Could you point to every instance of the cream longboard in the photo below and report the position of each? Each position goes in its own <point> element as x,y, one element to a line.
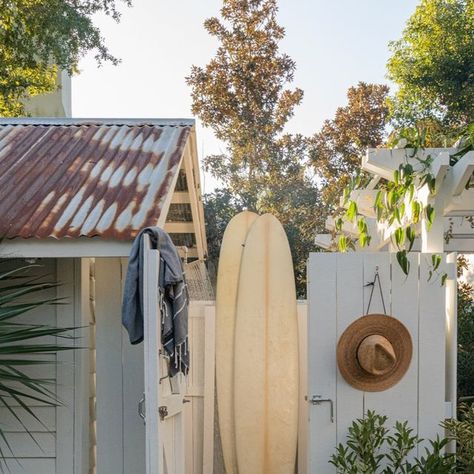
<point>266,354</point>
<point>226,299</point>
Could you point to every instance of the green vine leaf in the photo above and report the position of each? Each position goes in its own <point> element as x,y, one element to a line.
<point>403,261</point>
<point>399,236</point>
<point>444,277</point>
<point>410,234</point>
<point>415,211</point>
<point>351,212</point>
<point>430,216</point>
<point>342,243</point>
<point>436,261</point>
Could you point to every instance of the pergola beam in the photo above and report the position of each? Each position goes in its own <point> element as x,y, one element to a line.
<point>383,162</point>
<point>451,200</point>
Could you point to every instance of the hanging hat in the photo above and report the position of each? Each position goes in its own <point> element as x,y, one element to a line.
<point>374,352</point>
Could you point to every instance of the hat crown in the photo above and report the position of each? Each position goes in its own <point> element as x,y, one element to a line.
<point>376,355</point>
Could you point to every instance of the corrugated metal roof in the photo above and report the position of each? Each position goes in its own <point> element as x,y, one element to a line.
<point>89,177</point>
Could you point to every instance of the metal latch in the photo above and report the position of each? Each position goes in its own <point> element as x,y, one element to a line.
<point>141,409</point>
<point>163,411</point>
<point>317,400</point>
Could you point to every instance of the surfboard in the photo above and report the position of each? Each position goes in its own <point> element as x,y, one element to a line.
<point>266,354</point>
<point>226,299</point>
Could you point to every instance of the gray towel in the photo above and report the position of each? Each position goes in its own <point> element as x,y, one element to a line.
<point>173,296</point>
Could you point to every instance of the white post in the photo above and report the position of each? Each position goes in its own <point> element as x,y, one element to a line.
<point>451,332</point>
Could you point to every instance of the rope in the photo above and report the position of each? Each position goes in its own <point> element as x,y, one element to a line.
<point>372,284</point>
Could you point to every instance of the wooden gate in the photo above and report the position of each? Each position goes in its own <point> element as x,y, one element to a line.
<point>164,397</point>
<point>337,297</point>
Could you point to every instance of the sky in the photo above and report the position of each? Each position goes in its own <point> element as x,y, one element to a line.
<point>335,43</point>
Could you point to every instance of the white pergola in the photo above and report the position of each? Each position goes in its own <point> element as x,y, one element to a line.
<point>453,226</point>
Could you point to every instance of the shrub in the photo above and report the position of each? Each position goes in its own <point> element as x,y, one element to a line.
<point>462,431</point>
<point>371,448</point>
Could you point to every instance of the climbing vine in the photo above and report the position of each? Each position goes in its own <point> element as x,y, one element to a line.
<point>397,203</point>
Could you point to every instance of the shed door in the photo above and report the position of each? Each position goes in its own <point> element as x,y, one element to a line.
<point>164,399</point>
<point>338,295</point>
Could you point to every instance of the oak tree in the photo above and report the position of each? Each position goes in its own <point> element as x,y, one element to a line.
<point>40,37</point>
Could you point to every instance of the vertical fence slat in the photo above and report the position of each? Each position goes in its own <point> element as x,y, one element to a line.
<point>322,357</point>
<point>303,423</point>
<point>350,306</point>
<point>399,403</point>
<point>431,352</point>
<point>209,380</point>
<point>401,299</point>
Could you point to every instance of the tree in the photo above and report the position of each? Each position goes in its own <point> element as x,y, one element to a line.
<point>241,94</point>
<point>292,195</point>
<point>288,192</point>
<point>465,332</point>
<point>433,64</point>
<point>219,208</point>
<point>40,37</point>
<point>337,148</point>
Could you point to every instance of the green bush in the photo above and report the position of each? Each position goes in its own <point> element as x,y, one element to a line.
<point>462,431</point>
<point>371,448</point>
<point>465,340</point>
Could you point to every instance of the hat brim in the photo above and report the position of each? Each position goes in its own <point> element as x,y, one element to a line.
<point>374,324</point>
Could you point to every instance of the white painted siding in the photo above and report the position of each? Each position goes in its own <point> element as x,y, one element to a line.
<point>31,457</point>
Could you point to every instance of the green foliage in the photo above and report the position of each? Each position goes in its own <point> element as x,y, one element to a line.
<point>40,37</point>
<point>462,430</point>
<point>288,193</point>
<point>465,335</point>
<point>433,64</point>
<point>396,204</point>
<point>371,448</point>
<point>291,195</point>
<point>219,208</point>
<point>20,292</point>
<point>336,149</point>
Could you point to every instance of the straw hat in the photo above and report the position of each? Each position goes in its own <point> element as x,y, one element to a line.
<point>374,352</point>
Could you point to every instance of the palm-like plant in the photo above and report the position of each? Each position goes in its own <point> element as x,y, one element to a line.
<point>20,348</point>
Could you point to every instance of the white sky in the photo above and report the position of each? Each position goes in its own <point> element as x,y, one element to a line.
<point>334,43</point>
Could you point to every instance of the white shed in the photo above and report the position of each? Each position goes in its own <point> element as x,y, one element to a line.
<point>73,195</point>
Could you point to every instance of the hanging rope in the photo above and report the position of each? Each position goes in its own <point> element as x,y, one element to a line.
<point>372,284</point>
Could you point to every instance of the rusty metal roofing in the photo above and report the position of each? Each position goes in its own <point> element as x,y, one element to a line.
<point>89,177</point>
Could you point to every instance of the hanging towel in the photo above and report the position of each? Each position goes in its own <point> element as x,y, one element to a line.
<point>173,294</point>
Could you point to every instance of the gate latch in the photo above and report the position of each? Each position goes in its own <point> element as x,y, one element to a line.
<point>141,409</point>
<point>317,400</point>
<point>163,411</point>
